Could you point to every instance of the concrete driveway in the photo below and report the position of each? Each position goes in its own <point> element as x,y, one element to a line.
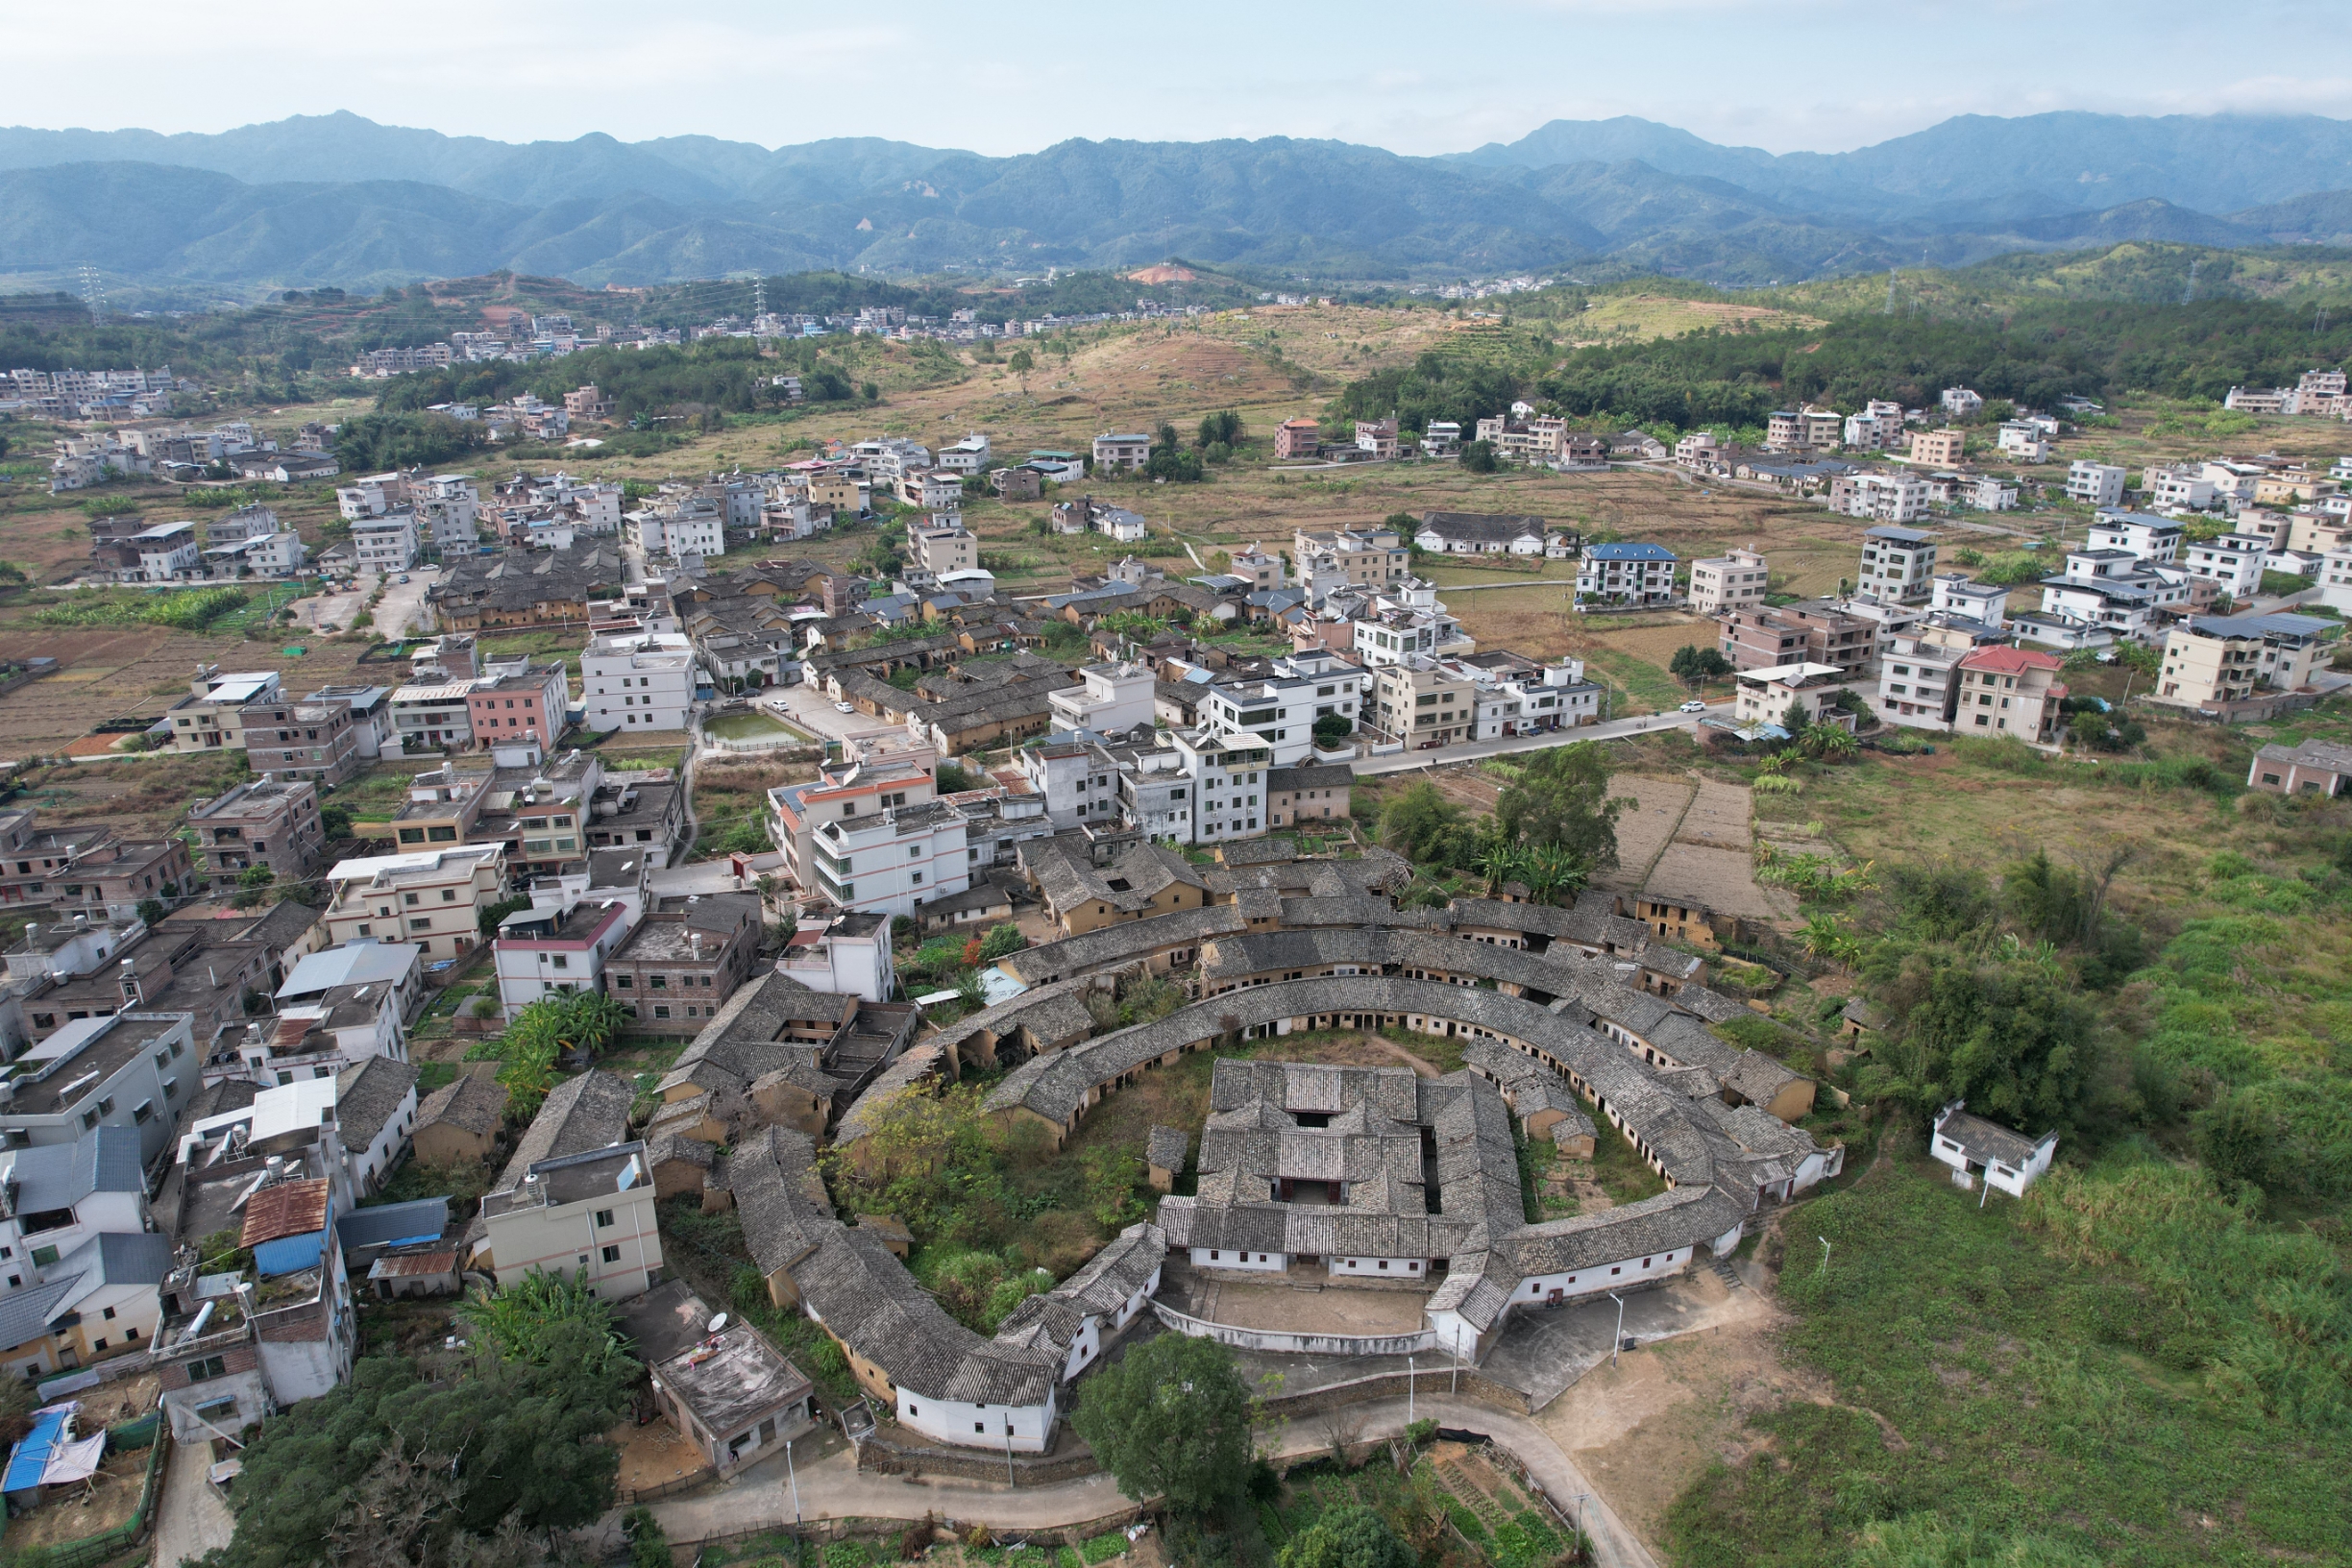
<point>1545,1349</point>
<point>403,610</point>
<point>807,708</point>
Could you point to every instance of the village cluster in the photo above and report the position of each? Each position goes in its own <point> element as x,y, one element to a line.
<point>178,1090</point>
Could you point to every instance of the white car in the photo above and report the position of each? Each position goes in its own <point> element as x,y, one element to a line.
<point>844,707</point>
<point>1694,706</point>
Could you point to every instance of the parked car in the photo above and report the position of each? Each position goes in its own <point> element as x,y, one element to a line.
<point>844,707</point>
<point>1694,706</point>
<point>403,577</point>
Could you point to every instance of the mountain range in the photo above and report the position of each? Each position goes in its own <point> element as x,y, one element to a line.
<point>339,199</point>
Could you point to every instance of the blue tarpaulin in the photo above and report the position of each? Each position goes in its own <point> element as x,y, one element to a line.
<point>28,1458</point>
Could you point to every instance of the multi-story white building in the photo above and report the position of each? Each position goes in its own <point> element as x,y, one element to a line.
<point>1734,580</point>
<point>1279,713</point>
<point>638,680</point>
<point>894,862</point>
<point>969,455</point>
<point>1387,637</point>
<point>1886,496</point>
<point>2234,560</point>
<point>1113,699</point>
<point>1898,564</point>
<point>1958,594</point>
<point>2113,590</point>
<point>558,944</point>
<point>1116,452</point>
<point>2178,488</point>
<point>1959,401</point>
<point>2155,540</point>
<point>588,1214</point>
<point>1156,791</point>
<point>2023,442</point>
<point>1078,780</point>
<point>2094,484</point>
<point>1228,788</point>
<point>1625,575</point>
<point>2335,579</point>
<point>385,544</point>
<point>370,497</point>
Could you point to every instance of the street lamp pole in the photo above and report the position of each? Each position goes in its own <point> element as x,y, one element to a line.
<point>1409,1390</point>
<point>793,1476</point>
<point>1617,1339</point>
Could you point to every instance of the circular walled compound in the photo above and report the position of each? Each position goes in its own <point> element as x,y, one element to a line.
<point>1566,1019</point>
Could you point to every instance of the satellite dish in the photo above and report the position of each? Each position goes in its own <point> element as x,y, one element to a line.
<point>718,1323</point>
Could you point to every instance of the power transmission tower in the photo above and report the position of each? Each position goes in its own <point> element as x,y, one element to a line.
<point>1892,275</point>
<point>93,292</point>
<point>2190,290</point>
<point>759,298</point>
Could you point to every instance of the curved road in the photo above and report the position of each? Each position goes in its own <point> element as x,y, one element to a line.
<point>833,1488</point>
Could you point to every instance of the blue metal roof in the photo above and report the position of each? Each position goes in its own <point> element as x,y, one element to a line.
<point>1627,552</point>
<point>391,1224</point>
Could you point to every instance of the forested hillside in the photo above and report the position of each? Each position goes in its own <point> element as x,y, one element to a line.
<point>2033,355</point>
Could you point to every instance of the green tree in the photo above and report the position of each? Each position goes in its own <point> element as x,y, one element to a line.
<point>451,1465</point>
<point>1695,666</point>
<point>2016,1041</point>
<point>1170,1419</point>
<point>1426,828</point>
<point>533,1320</point>
<point>335,821</point>
<point>253,886</point>
<point>1479,458</point>
<point>151,911</point>
<point>498,912</point>
<point>1021,363</point>
<point>1561,798</point>
<point>1222,428</point>
<point>1001,940</point>
<point>1349,1536</point>
<point>1796,720</point>
<point>1334,726</point>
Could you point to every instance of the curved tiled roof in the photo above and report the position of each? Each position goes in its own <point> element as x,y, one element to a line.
<point>1716,1158</point>
<point>852,1283</point>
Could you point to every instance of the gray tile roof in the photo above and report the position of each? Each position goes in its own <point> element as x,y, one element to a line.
<point>852,1283</point>
<point>1166,1148</point>
<point>476,1102</point>
<point>48,1176</point>
<point>580,1114</point>
<point>25,1314</point>
<point>369,1095</point>
<point>1987,1142</point>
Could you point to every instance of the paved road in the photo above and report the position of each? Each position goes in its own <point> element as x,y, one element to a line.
<point>1408,761</point>
<point>831,1486</point>
<point>190,1518</point>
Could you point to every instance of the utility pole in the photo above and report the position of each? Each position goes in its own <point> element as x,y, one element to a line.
<point>1617,1339</point>
<point>793,1476</point>
<point>1409,1390</point>
<point>1824,1262</point>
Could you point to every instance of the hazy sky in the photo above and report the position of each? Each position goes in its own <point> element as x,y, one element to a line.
<point>1824,75</point>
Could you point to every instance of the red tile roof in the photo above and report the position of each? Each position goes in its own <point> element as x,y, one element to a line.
<point>2007,660</point>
